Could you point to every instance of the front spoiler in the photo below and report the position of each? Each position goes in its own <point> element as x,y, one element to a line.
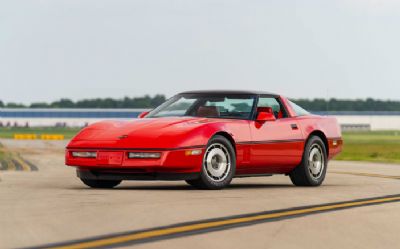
<point>144,176</point>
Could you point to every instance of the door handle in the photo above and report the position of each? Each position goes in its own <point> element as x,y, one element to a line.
<point>294,126</point>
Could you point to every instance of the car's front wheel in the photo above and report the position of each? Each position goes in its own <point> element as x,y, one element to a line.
<point>219,165</point>
<point>93,183</point>
<point>312,170</point>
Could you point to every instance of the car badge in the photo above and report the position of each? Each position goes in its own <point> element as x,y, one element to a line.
<point>123,136</point>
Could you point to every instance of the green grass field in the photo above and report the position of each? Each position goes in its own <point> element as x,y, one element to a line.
<point>374,146</point>
<point>8,132</point>
<point>2,154</point>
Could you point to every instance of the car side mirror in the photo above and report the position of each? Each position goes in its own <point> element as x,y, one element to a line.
<point>143,114</point>
<point>265,116</point>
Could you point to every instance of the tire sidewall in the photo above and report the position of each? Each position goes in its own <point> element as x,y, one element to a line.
<point>203,175</point>
<point>315,140</point>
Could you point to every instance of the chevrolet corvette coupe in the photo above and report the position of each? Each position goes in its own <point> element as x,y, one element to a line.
<point>207,138</point>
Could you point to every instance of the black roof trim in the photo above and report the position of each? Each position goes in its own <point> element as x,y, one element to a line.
<point>230,92</point>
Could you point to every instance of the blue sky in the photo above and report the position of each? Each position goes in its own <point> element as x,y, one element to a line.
<point>85,49</point>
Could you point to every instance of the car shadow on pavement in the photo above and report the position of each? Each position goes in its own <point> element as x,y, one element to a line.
<point>181,187</point>
<point>259,185</point>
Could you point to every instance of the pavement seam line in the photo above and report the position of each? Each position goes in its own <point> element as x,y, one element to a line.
<point>365,174</point>
<point>13,161</point>
<point>25,166</point>
<point>11,165</point>
<point>222,223</point>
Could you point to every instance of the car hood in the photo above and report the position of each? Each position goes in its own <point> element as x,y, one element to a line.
<point>166,132</point>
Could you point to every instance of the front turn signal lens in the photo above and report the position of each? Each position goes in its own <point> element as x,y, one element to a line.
<point>193,152</point>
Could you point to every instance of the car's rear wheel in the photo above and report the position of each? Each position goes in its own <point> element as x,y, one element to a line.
<point>312,170</point>
<point>219,165</point>
<point>93,183</point>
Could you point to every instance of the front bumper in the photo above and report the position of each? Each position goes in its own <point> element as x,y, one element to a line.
<point>172,161</point>
<point>118,174</point>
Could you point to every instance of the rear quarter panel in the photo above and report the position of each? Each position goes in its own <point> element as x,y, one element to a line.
<point>326,125</point>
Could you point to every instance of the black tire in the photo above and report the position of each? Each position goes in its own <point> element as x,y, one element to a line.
<point>206,179</point>
<point>303,174</point>
<point>100,183</point>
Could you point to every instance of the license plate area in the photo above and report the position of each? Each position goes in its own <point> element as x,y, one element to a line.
<point>110,158</point>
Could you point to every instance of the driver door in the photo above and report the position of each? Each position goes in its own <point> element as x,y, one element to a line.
<point>277,146</point>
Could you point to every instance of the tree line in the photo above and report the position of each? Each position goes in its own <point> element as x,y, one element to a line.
<point>368,104</point>
<point>126,102</point>
<point>153,101</point>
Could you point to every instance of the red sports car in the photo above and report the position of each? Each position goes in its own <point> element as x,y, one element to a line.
<point>206,138</point>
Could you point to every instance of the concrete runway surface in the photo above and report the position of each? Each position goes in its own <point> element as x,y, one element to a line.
<point>51,206</point>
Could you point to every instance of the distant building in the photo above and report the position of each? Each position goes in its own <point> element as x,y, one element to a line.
<point>63,117</point>
<point>366,120</point>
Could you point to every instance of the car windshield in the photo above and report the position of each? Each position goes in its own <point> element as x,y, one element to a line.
<point>235,106</point>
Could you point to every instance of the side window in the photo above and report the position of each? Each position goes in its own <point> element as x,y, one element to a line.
<point>275,104</point>
<point>298,110</point>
